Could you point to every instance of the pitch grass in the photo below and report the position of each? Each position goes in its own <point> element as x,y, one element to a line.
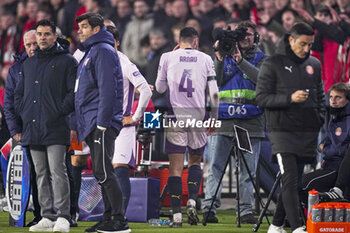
<point>226,223</point>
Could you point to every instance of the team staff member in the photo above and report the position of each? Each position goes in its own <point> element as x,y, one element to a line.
<point>290,89</point>
<point>44,97</point>
<point>335,144</point>
<point>13,121</point>
<point>99,113</point>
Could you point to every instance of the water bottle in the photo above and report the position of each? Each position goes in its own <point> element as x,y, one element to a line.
<point>312,200</point>
<point>316,214</point>
<point>347,216</point>
<point>155,222</point>
<point>158,222</point>
<point>166,222</point>
<point>328,213</point>
<point>339,213</point>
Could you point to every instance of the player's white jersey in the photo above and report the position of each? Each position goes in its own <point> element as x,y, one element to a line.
<point>185,72</point>
<point>131,78</point>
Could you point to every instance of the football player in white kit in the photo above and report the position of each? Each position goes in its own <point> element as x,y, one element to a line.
<point>186,74</point>
<point>124,151</point>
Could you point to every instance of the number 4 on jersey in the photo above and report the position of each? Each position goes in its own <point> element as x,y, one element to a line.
<point>186,77</point>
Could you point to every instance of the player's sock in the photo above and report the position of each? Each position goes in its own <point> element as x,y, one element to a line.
<point>175,193</point>
<point>194,181</point>
<point>123,178</point>
<point>76,176</point>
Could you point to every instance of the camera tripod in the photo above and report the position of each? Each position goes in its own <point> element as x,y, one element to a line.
<point>269,198</point>
<point>234,152</point>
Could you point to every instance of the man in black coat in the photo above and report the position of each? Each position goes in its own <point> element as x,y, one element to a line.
<point>290,89</point>
<point>43,98</point>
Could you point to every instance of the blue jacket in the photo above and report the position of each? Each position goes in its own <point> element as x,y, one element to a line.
<point>14,122</point>
<point>337,139</point>
<point>238,87</point>
<point>99,86</point>
<point>44,95</point>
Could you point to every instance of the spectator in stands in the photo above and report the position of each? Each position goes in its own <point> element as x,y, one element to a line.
<point>139,26</point>
<point>289,18</point>
<point>209,12</point>
<point>9,41</point>
<point>43,13</point>
<point>56,11</point>
<point>69,10</point>
<point>121,16</point>
<point>344,6</point>
<point>159,45</point>
<point>327,41</point>
<point>271,18</point>
<point>245,10</point>
<point>164,18</point>
<point>31,9</point>
<point>195,8</point>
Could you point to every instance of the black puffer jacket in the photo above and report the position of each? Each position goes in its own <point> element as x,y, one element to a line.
<point>45,96</point>
<point>293,127</point>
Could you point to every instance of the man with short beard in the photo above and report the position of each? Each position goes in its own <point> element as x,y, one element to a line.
<point>44,97</point>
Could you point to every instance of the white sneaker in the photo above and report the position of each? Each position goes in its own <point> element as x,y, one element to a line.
<point>62,225</point>
<point>44,224</point>
<point>300,230</point>
<point>275,229</point>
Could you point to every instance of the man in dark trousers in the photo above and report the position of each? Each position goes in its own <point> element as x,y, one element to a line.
<point>290,89</point>
<point>43,98</point>
<point>13,121</point>
<point>99,113</point>
<point>335,144</point>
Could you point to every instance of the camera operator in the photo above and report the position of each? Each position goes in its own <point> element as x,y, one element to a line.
<point>237,70</point>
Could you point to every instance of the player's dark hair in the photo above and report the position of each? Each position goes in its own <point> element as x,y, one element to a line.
<point>114,32</point>
<point>188,34</point>
<point>93,19</point>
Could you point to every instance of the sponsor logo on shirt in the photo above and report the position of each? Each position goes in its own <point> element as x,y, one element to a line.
<point>136,73</point>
